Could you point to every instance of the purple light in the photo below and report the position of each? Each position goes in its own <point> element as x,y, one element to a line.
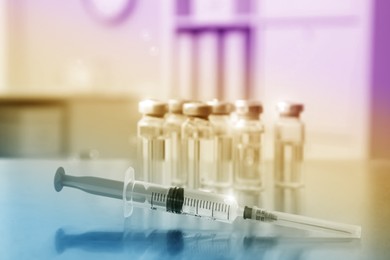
<point>113,20</point>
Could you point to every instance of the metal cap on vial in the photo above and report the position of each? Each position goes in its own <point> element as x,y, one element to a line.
<point>248,108</point>
<point>176,105</point>
<point>291,109</point>
<point>152,107</point>
<point>197,109</point>
<point>220,107</point>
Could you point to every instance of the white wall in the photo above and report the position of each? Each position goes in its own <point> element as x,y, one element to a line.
<point>52,39</point>
<point>312,51</point>
<point>317,52</point>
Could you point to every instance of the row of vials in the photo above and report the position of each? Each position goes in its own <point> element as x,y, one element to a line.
<point>218,146</point>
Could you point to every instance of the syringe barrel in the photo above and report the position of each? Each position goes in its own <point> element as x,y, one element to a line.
<point>210,205</point>
<point>177,200</point>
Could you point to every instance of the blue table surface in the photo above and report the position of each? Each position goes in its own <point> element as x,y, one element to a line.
<point>36,222</point>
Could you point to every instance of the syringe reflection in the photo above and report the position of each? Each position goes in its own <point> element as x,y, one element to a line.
<point>178,244</point>
<point>156,243</point>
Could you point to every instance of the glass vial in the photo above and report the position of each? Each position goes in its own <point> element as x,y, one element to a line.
<point>289,140</point>
<point>247,150</point>
<point>174,120</point>
<point>151,144</point>
<point>197,137</point>
<point>222,179</point>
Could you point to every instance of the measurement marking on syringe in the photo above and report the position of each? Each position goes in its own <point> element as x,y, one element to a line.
<point>157,197</point>
<point>213,208</point>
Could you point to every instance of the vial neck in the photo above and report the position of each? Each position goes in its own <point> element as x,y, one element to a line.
<point>153,116</point>
<point>198,117</point>
<point>291,116</point>
<point>248,117</point>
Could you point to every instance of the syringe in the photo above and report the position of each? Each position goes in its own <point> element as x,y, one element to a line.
<point>193,202</point>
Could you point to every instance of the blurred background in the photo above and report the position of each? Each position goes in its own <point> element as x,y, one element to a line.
<point>72,72</point>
